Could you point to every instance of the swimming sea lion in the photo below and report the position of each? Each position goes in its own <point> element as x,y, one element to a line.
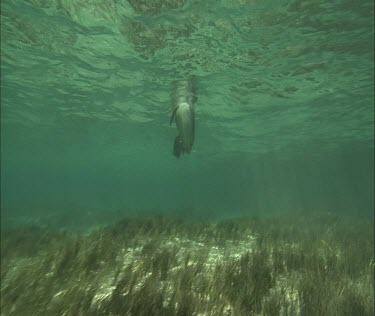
<point>183,113</point>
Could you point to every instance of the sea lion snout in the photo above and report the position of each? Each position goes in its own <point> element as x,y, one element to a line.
<point>178,146</point>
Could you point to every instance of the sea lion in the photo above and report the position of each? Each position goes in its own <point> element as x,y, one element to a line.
<point>183,112</point>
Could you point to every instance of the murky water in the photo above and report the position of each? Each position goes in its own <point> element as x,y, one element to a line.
<point>284,117</point>
<point>259,196</point>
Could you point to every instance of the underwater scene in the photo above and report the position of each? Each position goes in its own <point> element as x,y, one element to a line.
<point>187,157</point>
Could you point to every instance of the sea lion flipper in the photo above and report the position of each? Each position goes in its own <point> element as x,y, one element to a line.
<point>173,115</point>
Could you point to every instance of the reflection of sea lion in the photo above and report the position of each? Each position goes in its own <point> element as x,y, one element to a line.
<point>183,112</point>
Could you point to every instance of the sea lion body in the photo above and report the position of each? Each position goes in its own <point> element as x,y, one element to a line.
<point>183,113</point>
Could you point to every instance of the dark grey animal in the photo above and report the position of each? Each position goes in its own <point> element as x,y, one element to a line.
<point>183,112</point>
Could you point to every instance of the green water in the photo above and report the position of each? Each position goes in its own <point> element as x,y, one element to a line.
<point>284,117</point>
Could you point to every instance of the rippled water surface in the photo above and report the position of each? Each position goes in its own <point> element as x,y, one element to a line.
<point>284,117</point>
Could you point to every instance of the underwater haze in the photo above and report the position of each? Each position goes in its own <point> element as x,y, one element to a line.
<point>284,115</point>
<point>258,199</point>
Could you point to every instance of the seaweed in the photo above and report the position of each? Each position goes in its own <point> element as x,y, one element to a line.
<point>159,265</point>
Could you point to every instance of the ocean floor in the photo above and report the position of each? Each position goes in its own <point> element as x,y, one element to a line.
<point>158,265</point>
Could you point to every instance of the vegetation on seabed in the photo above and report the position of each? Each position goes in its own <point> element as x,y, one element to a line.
<point>293,265</point>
